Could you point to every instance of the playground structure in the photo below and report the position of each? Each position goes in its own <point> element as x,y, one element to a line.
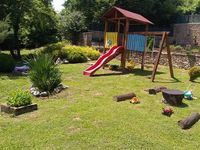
<point>121,20</point>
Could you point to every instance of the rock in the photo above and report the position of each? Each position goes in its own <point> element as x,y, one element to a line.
<point>65,61</point>
<point>65,87</point>
<point>33,89</point>
<point>36,93</point>
<point>44,94</point>
<point>58,89</point>
<point>59,61</point>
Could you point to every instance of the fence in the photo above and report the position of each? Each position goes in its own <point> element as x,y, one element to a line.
<point>189,19</point>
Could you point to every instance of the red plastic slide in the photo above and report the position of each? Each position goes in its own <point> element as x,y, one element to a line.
<point>104,59</point>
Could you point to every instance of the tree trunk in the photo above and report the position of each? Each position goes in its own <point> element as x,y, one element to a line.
<point>124,97</point>
<point>16,51</point>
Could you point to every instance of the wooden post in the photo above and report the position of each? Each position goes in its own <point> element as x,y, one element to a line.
<point>158,56</point>
<point>118,30</point>
<point>144,53</point>
<point>123,57</point>
<point>105,30</point>
<point>169,57</point>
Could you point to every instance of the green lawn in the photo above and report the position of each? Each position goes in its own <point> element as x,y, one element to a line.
<point>86,117</point>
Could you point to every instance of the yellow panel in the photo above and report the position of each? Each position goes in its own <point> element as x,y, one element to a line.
<point>111,39</point>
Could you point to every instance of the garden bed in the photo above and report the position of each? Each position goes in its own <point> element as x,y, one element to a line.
<point>18,110</point>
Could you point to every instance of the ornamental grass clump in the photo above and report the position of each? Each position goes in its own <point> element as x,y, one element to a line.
<point>194,73</point>
<point>44,74</point>
<point>19,98</point>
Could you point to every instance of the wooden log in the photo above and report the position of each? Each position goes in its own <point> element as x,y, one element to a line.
<point>189,121</point>
<point>124,97</point>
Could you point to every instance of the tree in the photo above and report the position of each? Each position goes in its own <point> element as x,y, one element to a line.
<point>189,6</point>
<point>72,24</point>
<point>5,30</point>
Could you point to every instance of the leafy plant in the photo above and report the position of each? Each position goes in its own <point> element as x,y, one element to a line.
<point>194,73</point>
<point>44,74</point>
<point>74,56</point>
<point>7,63</point>
<point>19,98</point>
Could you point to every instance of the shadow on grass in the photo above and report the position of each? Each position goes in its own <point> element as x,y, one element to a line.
<point>172,80</point>
<point>136,72</point>
<point>183,105</point>
<point>5,76</point>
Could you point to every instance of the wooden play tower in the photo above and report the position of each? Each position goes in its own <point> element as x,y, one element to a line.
<point>120,21</point>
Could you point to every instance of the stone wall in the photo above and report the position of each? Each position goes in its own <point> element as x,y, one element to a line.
<point>179,60</point>
<point>187,33</point>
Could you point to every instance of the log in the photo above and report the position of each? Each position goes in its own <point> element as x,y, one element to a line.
<point>156,90</point>
<point>124,97</point>
<point>189,121</point>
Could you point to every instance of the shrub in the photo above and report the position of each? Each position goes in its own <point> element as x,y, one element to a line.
<point>44,74</point>
<point>85,51</point>
<point>19,98</point>
<point>194,73</point>
<point>7,63</point>
<point>90,52</point>
<point>74,54</point>
<point>51,48</point>
<point>176,48</point>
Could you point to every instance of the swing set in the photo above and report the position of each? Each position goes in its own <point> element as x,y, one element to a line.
<point>128,42</point>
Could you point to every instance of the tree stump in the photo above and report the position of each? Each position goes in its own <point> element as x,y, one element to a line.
<point>173,97</point>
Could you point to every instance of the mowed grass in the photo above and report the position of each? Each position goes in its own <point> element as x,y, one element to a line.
<point>86,117</point>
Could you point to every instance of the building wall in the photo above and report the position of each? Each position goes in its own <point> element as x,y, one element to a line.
<point>187,34</point>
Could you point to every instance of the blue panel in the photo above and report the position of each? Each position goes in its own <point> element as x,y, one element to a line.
<point>136,42</point>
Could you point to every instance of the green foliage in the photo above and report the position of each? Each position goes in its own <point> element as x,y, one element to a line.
<point>44,74</point>
<point>90,52</point>
<point>53,47</point>
<point>7,63</point>
<point>194,73</point>
<point>4,30</point>
<point>189,6</point>
<point>19,98</point>
<point>74,55</point>
<point>176,48</point>
<point>34,22</point>
<point>72,24</point>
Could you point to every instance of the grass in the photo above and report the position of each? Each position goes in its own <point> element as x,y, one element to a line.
<point>86,117</point>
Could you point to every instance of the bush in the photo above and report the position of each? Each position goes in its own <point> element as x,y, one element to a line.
<point>19,98</point>
<point>73,54</point>
<point>90,52</point>
<point>7,63</point>
<point>86,52</point>
<point>44,74</point>
<point>194,73</point>
<point>53,49</point>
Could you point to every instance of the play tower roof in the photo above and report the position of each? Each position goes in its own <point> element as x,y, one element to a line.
<point>119,13</point>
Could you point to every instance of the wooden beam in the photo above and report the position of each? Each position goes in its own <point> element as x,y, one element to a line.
<point>169,57</point>
<point>158,56</point>
<point>118,30</point>
<point>150,33</point>
<point>105,30</point>
<point>144,53</point>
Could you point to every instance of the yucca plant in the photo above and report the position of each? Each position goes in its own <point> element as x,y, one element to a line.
<point>44,74</point>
